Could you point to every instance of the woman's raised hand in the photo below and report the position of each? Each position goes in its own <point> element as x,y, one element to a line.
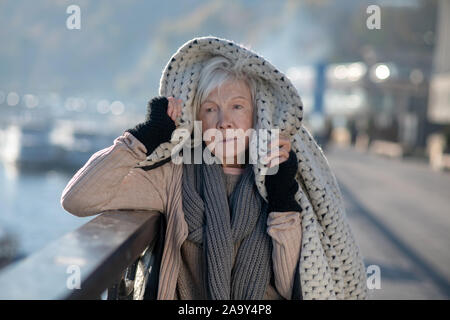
<point>282,148</point>
<point>159,122</point>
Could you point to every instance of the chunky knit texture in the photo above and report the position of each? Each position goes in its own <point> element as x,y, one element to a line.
<point>331,266</point>
<point>207,213</point>
<point>190,284</point>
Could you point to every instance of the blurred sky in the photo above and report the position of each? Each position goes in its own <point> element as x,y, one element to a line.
<point>123,45</point>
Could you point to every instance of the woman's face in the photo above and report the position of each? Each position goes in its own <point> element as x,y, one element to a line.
<point>226,109</point>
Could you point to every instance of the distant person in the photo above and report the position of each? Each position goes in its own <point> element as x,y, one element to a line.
<point>233,232</point>
<point>353,131</point>
<point>328,131</point>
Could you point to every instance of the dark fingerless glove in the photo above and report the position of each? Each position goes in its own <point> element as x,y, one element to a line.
<point>282,186</point>
<point>157,127</point>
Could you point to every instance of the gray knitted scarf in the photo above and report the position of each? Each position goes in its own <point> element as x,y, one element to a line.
<point>218,226</point>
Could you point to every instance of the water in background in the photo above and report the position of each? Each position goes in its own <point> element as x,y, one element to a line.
<point>30,207</point>
<point>40,151</point>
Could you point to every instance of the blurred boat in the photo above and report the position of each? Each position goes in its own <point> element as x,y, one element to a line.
<point>28,145</point>
<point>79,140</point>
<point>49,143</point>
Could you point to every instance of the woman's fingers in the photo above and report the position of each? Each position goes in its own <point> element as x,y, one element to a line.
<point>280,151</point>
<point>174,108</point>
<point>281,142</point>
<point>282,146</point>
<point>170,107</point>
<point>283,155</point>
<point>274,162</point>
<point>277,161</point>
<point>180,107</point>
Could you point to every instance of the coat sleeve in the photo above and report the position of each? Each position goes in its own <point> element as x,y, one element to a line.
<point>109,181</point>
<point>285,230</point>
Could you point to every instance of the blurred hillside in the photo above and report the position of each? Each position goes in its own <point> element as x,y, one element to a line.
<point>123,46</point>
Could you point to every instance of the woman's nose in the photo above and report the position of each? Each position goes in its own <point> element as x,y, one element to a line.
<point>225,121</point>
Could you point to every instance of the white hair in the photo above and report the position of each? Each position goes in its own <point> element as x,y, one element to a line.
<point>214,73</point>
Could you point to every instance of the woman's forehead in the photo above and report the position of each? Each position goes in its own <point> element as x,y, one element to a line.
<point>231,89</point>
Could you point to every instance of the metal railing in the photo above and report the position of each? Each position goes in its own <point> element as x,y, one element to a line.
<point>115,251</point>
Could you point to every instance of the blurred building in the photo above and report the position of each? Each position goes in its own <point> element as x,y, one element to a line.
<point>439,101</point>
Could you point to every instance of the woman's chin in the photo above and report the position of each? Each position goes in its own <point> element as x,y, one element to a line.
<point>233,158</point>
<point>226,152</point>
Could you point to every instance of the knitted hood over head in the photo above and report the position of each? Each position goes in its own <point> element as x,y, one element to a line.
<point>331,266</point>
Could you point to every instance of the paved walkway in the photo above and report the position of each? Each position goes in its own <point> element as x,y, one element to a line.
<point>399,213</point>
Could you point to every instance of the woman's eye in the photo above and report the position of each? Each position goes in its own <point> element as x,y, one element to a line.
<point>238,106</point>
<point>209,109</point>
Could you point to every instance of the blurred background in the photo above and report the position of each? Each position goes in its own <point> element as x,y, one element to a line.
<point>376,100</point>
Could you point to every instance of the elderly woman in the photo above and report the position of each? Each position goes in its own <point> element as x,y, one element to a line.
<point>233,232</point>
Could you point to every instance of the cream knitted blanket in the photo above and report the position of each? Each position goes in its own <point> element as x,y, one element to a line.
<point>331,266</point>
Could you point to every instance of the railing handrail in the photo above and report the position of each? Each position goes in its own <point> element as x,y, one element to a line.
<point>97,253</point>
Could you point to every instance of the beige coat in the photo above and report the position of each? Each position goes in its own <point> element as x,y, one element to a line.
<point>110,181</point>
